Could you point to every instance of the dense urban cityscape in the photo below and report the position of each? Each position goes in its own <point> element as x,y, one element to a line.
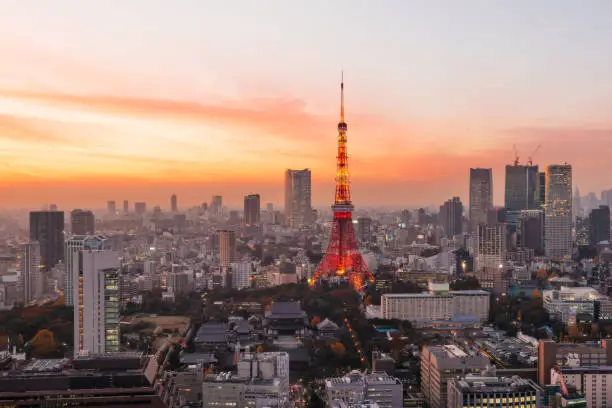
<point>497,296</point>
<point>209,306</point>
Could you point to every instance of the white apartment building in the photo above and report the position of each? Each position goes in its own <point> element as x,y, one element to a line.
<point>489,248</point>
<point>73,245</point>
<point>241,275</point>
<point>97,301</point>
<point>437,304</point>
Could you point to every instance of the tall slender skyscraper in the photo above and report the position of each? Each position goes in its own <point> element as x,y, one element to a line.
<point>481,194</point>
<point>31,280</point>
<point>451,217</point>
<point>558,217</point>
<point>216,206</point>
<point>252,210</point>
<point>74,245</point>
<point>173,203</point>
<point>111,207</point>
<point>97,302</point>
<point>82,222</point>
<point>298,207</point>
<point>126,206</point>
<point>47,227</point>
<point>227,247</point>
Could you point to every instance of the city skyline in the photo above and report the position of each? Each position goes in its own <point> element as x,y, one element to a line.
<point>145,114</point>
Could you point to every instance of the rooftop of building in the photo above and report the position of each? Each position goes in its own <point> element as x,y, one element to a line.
<point>484,384</point>
<point>438,294</point>
<point>357,378</point>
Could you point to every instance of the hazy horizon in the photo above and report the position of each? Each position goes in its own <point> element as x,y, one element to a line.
<point>140,100</point>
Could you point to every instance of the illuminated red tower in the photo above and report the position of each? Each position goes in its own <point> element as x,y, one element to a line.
<point>342,257</point>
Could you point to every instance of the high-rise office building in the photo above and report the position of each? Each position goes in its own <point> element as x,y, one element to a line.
<point>111,207</point>
<point>74,245</point>
<point>298,208</point>
<point>216,206</point>
<point>252,210</point>
<point>405,217</point>
<point>521,187</point>
<point>577,206</point>
<point>173,203</point>
<point>606,198</point>
<point>521,193</point>
<point>126,206</point>
<point>47,227</point>
<point>558,216</point>
<point>531,231</point>
<point>599,225</point>
<point>364,229</point>
<point>140,208</point>
<point>541,189</point>
<point>82,222</point>
<point>227,247</point>
<point>481,194</point>
<point>451,217</point>
<point>490,255</point>
<point>97,302</point>
<point>31,280</point>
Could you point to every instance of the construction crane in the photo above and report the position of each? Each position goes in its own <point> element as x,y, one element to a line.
<point>516,156</point>
<point>537,149</point>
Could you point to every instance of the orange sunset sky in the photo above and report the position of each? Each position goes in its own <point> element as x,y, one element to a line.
<point>138,100</point>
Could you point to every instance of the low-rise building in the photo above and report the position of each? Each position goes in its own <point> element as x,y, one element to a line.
<point>438,304</point>
<point>358,388</point>
<point>492,391</point>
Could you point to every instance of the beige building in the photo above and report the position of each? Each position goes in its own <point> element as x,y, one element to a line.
<point>595,383</point>
<point>440,364</point>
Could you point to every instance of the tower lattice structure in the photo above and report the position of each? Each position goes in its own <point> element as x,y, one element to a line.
<point>342,257</point>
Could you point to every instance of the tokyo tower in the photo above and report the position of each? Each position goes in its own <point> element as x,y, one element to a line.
<point>342,257</point>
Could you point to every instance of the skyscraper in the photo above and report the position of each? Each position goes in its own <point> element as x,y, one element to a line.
<point>521,187</point>
<point>126,206</point>
<point>82,222</point>
<point>364,229</point>
<point>173,203</point>
<point>74,245</point>
<point>140,208</point>
<point>481,194</point>
<point>227,247</point>
<point>558,217</point>
<point>216,206</point>
<point>298,208</point>
<point>451,217</point>
<point>531,231</point>
<point>252,210</point>
<point>31,280</point>
<point>47,227</point>
<point>97,301</point>
<point>606,198</point>
<point>541,189</point>
<point>490,255</point>
<point>599,225</point>
<point>111,207</point>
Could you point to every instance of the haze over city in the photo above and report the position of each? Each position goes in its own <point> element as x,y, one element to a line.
<point>138,100</point>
